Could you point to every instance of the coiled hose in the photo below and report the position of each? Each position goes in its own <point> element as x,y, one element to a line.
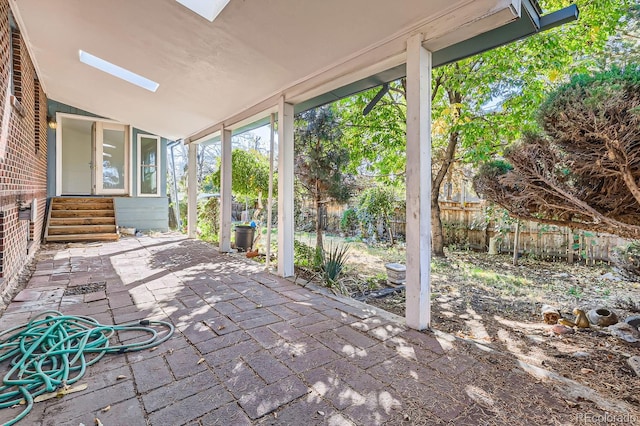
<point>54,350</point>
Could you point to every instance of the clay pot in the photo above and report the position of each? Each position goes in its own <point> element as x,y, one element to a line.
<point>633,321</point>
<point>602,317</point>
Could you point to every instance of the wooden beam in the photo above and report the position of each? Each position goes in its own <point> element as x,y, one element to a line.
<point>285,189</point>
<point>192,191</point>
<point>225,192</point>
<point>418,305</point>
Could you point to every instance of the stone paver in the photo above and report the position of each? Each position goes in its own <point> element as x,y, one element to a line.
<point>252,348</point>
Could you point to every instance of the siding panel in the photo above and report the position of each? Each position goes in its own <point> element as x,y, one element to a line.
<point>145,214</point>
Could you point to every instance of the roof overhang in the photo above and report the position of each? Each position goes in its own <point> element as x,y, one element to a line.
<point>231,72</point>
<point>529,24</point>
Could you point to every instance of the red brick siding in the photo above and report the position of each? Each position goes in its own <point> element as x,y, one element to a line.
<point>23,148</point>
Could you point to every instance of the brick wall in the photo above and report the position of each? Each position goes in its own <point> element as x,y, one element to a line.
<point>23,150</point>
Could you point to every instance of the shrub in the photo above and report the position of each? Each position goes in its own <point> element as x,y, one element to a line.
<point>209,220</point>
<point>305,256</point>
<point>349,221</point>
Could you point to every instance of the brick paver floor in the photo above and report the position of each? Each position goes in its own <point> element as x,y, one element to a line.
<point>253,348</point>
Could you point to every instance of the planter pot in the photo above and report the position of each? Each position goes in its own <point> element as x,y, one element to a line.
<point>602,317</point>
<point>244,237</point>
<point>396,274</point>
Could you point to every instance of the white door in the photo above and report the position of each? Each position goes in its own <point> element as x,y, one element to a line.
<point>111,159</point>
<point>76,157</point>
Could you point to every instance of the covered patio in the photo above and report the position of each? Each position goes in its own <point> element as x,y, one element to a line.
<point>229,66</point>
<point>253,348</point>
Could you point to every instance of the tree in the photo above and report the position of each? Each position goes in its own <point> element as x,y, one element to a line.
<point>249,174</point>
<point>481,104</point>
<point>320,160</point>
<point>376,205</point>
<point>623,48</point>
<point>584,171</point>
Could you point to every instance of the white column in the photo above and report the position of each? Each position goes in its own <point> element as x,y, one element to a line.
<point>225,192</point>
<point>270,196</point>
<point>192,191</point>
<point>418,287</point>
<point>285,189</point>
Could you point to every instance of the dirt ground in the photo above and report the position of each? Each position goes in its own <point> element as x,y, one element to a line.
<point>487,299</point>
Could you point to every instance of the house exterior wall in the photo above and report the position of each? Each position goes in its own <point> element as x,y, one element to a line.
<point>23,152</point>
<point>144,213</point>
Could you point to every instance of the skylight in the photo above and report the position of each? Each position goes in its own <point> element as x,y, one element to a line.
<point>208,9</point>
<point>116,71</point>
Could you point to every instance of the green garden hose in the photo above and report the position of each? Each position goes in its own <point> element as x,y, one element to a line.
<point>54,350</point>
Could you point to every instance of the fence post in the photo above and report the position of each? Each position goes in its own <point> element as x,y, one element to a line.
<point>516,239</point>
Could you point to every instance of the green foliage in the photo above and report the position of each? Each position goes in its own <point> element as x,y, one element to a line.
<point>333,263</point>
<point>249,173</point>
<point>376,141</point>
<point>349,220</point>
<point>494,169</point>
<point>321,158</point>
<point>582,172</point>
<point>484,102</point>
<point>575,291</point>
<point>624,47</point>
<point>377,204</point>
<point>591,90</point>
<point>209,220</point>
<point>378,201</point>
<point>305,256</point>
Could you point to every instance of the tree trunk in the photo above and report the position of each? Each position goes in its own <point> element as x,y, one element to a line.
<point>319,245</point>
<point>387,223</point>
<point>437,237</point>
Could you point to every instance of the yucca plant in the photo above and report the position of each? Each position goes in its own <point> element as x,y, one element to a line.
<point>333,262</point>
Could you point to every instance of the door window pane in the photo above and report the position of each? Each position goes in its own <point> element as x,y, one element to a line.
<point>148,160</point>
<point>113,159</point>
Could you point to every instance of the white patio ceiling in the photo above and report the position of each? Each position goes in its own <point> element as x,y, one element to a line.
<point>235,68</point>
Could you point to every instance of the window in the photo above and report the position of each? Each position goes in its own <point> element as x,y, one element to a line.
<point>148,165</point>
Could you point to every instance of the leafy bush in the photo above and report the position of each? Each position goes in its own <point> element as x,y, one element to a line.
<point>377,204</point>
<point>305,256</point>
<point>209,220</point>
<point>349,221</point>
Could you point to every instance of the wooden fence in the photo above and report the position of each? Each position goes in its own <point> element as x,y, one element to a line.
<point>466,226</point>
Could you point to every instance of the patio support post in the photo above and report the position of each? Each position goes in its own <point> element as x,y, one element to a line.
<point>418,286</point>
<point>225,192</point>
<point>192,191</point>
<point>272,120</point>
<point>285,189</point>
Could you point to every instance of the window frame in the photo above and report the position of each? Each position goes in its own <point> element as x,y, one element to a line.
<point>140,166</point>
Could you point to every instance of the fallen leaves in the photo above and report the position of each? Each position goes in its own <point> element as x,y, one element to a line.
<point>59,393</point>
